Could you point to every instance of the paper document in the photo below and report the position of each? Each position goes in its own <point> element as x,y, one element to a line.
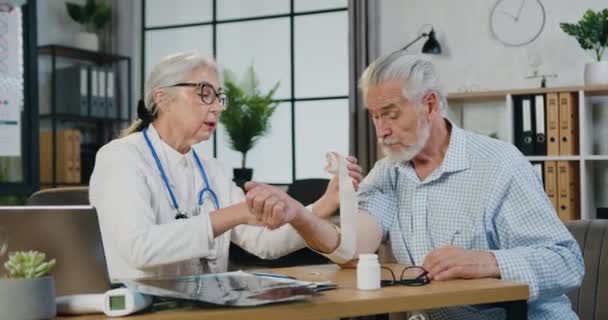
<point>349,207</point>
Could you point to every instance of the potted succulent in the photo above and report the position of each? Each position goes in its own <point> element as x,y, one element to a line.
<point>247,117</point>
<point>591,32</point>
<point>27,291</point>
<point>93,16</point>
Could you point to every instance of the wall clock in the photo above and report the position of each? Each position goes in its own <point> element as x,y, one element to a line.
<point>517,22</point>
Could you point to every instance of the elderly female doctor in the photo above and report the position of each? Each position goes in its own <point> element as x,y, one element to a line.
<point>166,210</point>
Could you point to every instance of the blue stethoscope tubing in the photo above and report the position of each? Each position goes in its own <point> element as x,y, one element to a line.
<point>207,188</point>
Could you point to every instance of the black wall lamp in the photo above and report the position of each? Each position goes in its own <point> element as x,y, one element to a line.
<point>431,46</point>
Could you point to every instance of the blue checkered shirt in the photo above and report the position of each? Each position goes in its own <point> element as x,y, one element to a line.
<point>484,196</point>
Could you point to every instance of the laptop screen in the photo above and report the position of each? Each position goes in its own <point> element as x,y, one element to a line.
<point>68,234</point>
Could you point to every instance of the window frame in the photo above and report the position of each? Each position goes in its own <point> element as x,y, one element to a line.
<point>292,14</point>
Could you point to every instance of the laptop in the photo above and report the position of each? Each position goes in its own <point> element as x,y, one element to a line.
<point>68,234</point>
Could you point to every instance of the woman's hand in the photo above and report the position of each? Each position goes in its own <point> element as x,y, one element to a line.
<point>330,200</point>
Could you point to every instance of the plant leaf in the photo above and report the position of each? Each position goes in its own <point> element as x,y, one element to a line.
<point>591,32</point>
<point>247,117</point>
<point>75,12</point>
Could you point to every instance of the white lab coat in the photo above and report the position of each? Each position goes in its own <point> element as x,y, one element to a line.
<point>137,219</point>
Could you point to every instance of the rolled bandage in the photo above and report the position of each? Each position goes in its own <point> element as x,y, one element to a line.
<point>349,207</point>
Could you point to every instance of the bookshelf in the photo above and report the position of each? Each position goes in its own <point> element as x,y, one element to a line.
<point>492,112</point>
<point>84,98</point>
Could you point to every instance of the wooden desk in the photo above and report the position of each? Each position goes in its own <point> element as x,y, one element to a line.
<point>347,301</point>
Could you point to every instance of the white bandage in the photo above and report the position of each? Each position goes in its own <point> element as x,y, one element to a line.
<point>349,207</point>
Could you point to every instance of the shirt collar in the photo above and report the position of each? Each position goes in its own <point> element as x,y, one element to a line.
<point>172,156</point>
<point>455,157</point>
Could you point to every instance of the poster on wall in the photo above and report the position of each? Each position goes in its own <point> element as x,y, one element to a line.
<point>11,80</point>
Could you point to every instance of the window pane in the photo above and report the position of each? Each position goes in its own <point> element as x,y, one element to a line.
<point>313,5</point>
<point>321,127</point>
<point>270,158</point>
<point>163,12</point>
<point>321,55</point>
<point>267,47</point>
<point>160,43</point>
<point>234,9</point>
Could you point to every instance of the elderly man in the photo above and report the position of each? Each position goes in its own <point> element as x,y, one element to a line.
<point>459,204</point>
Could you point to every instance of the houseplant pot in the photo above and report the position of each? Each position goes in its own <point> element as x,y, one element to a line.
<point>87,41</point>
<point>27,298</point>
<point>242,175</point>
<point>27,291</point>
<point>93,16</point>
<point>596,73</point>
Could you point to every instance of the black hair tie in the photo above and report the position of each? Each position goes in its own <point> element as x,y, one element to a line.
<point>144,114</point>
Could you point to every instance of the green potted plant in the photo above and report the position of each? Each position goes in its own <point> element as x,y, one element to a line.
<point>591,32</point>
<point>247,117</point>
<point>93,16</point>
<point>27,291</point>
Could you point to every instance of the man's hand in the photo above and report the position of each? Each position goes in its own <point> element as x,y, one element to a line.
<point>270,205</point>
<point>453,262</point>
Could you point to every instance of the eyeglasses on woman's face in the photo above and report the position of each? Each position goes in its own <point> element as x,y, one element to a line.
<point>207,93</point>
<point>416,276</point>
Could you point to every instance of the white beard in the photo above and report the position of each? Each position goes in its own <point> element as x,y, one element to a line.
<point>423,133</point>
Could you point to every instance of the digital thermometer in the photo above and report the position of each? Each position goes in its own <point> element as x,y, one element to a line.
<point>114,303</point>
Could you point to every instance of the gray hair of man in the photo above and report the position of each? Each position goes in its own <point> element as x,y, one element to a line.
<point>171,70</point>
<point>417,75</point>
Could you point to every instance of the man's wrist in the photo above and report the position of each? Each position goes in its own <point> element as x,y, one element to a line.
<point>300,218</point>
<point>493,265</point>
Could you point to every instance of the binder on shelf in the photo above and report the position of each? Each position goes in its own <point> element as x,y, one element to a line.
<point>46,160</point>
<point>552,124</point>
<point>72,96</point>
<point>551,183</point>
<point>111,102</point>
<point>75,156</point>
<point>94,92</point>
<point>540,140</point>
<point>84,91</point>
<point>523,123</point>
<point>567,190</point>
<point>103,94</point>
<point>568,110</point>
<point>64,159</point>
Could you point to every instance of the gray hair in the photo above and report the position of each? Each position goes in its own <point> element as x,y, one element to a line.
<point>171,70</point>
<point>418,76</point>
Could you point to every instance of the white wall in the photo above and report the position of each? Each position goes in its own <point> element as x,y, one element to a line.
<point>475,60</point>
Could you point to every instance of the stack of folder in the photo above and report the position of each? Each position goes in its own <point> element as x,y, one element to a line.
<point>561,179</point>
<point>67,157</point>
<point>548,125</point>
<point>87,91</point>
<point>546,128</point>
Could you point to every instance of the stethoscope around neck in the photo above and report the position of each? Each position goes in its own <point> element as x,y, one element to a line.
<point>180,214</point>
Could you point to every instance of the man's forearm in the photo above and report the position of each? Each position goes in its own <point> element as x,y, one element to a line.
<point>324,207</point>
<point>320,234</point>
